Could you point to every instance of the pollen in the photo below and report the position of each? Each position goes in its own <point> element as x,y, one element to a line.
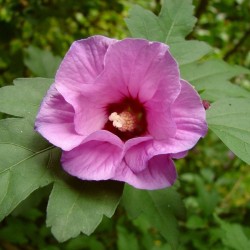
<point>125,121</point>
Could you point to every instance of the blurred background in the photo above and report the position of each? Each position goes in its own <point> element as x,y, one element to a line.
<point>214,184</point>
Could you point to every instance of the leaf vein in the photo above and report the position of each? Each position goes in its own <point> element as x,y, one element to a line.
<point>27,158</point>
<point>17,145</point>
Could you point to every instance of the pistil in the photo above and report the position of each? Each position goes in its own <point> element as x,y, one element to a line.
<point>125,121</point>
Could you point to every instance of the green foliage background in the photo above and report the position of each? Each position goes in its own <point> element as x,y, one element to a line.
<point>214,184</point>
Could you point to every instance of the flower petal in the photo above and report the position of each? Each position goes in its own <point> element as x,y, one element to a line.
<point>81,65</point>
<point>160,173</point>
<point>189,115</point>
<point>105,136</point>
<point>161,124</point>
<point>178,155</point>
<point>55,121</point>
<point>95,159</point>
<point>90,108</point>
<point>136,156</point>
<point>89,117</point>
<point>135,67</point>
<point>190,118</point>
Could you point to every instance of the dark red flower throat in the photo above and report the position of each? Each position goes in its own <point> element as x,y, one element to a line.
<point>127,119</point>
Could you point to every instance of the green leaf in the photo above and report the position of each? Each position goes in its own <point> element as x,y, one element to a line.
<point>17,232</point>
<point>212,76</point>
<point>84,242</point>
<point>210,72</point>
<point>160,207</point>
<point>195,222</point>
<point>28,162</point>
<point>174,22</point>
<point>176,19</point>
<point>189,51</point>
<point>207,199</point>
<point>24,97</point>
<point>41,62</point>
<point>144,24</point>
<point>224,89</point>
<point>76,206</point>
<point>234,236</point>
<point>28,166</point>
<point>25,162</point>
<point>229,119</point>
<point>126,240</point>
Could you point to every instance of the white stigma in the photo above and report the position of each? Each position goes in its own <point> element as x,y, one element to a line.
<point>116,119</point>
<point>124,121</point>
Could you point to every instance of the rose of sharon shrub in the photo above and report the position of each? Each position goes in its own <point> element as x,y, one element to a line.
<point>119,110</point>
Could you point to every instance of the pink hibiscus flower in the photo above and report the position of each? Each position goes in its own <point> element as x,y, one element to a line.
<point>119,110</point>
